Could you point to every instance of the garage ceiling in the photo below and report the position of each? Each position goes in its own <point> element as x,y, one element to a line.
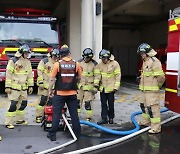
<point>122,13</point>
<point>135,14</point>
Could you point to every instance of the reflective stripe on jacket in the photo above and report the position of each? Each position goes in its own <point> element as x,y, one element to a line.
<point>44,71</point>
<point>87,78</point>
<point>19,75</point>
<point>67,76</point>
<point>108,76</point>
<point>152,76</point>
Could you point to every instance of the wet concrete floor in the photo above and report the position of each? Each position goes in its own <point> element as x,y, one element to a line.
<point>32,139</point>
<point>166,142</point>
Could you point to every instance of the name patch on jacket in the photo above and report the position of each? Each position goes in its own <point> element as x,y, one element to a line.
<point>68,66</point>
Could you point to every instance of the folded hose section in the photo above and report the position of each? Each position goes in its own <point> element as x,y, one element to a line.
<point>116,132</point>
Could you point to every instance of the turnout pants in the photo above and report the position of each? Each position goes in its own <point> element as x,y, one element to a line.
<point>42,100</point>
<point>16,106</point>
<point>151,110</point>
<point>85,97</point>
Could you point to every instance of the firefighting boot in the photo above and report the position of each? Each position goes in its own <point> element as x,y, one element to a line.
<point>88,119</point>
<point>151,131</point>
<point>10,126</point>
<point>51,137</point>
<point>143,124</point>
<point>102,121</point>
<point>21,122</point>
<point>111,121</point>
<point>38,119</point>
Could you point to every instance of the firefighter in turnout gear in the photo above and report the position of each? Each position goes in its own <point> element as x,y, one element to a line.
<point>107,79</point>
<point>86,87</point>
<point>44,71</point>
<point>65,75</point>
<point>19,83</point>
<point>151,79</point>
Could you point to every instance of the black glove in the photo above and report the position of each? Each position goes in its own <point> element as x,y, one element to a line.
<point>49,103</point>
<point>30,90</point>
<point>114,90</point>
<point>138,78</point>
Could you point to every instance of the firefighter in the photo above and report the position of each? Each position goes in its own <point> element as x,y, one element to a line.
<point>107,79</point>
<point>151,80</point>
<point>86,87</point>
<point>65,74</point>
<point>44,71</point>
<point>19,82</point>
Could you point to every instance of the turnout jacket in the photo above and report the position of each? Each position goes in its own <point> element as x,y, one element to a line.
<point>108,76</point>
<point>88,75</point>
<point>152,76</point>
<point>44,71</point>
<point>19,74</point>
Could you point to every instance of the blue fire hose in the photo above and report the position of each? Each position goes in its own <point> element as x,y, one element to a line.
<point>115,132</point>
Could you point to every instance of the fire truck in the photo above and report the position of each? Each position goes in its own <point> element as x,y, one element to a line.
<point>172,90</point>
<point>27,26</point>
<point>162,56</point>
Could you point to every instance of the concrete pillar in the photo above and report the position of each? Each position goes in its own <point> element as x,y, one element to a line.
<point>84,27</point>
<point>91,26</point>
<point>74,27</point>
<point>86,24</point>
<point>98,31</point>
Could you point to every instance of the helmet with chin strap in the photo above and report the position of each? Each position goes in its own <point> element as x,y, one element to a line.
<point>24,48</point>
<point>88,53</point>
<point>104,54</point>
<point>144,48</point>
<point>55,53</point>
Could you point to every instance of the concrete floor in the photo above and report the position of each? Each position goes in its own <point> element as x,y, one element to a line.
<point>32,138</point>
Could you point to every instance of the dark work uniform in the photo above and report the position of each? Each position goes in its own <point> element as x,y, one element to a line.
<point>66,73</point>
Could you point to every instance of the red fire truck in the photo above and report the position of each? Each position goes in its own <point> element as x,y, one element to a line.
<point>27,26</point>
<point>172,90</point>
<point>162,56</point>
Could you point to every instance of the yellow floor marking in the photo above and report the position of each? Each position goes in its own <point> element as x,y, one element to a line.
<point>136,97</point>
<point>33,104</point>
<point>2,105</point>
<point>122,99</point>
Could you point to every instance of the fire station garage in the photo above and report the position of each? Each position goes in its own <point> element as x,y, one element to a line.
<point>119,26</point>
